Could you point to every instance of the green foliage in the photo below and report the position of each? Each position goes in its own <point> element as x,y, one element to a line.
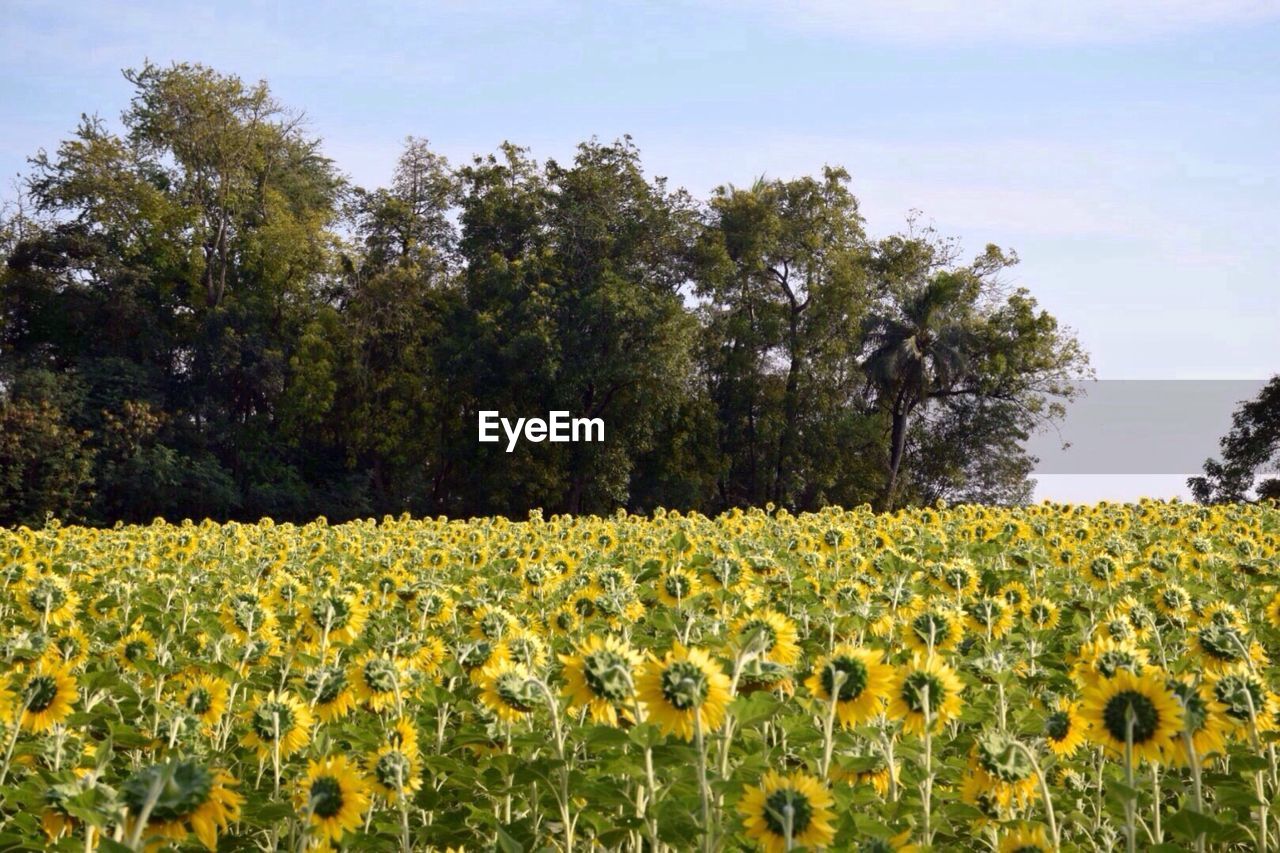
<point>223,327</point>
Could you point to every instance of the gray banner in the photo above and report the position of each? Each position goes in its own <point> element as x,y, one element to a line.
<point>1141,426</point>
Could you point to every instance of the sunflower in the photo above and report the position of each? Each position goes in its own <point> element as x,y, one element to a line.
<point>403,736</point>
<point>784,812</point>
<point>333,618</point>
<point>47,693</point>
<point>332,797</point>
<point>205,698</point>
<point>394,773</point>
<point>492,623</point>
<point>935,629</point>
<point>1103,658</point>
<point>1245,699</point>
<point>599,677</point>
<point>1001,771</point>
<point>48,600</point>
<point>862,678</point>
<point>992,616</point>
<point>677,586</point>
<point>328,692</point>
<point>1103,571</point>
<point>509,690</point>
<point>524,647</point>
<point>380,682</point>
<point>245,615</point>
<point>278,717</point>
<point>134,647</point>
<point>185,797</point>
<point>1026,839</point>
<point>1137,709</point>
<point>683,691</point>
<point>1042,614</point>
<point>925,683</point>
<point>1015,595</point>
<point>1064,731</point>
<point>1222,645</point>
<point>71,647</point>
<point>1204,719</point>
<point>771,634</point>
<point>957,579</point>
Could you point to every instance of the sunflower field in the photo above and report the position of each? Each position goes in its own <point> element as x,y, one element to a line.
<point>1038,678</point>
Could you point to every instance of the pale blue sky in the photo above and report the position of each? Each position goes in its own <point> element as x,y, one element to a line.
<point>1127,150</point>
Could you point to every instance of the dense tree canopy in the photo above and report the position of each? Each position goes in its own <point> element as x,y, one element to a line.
<point>200,316</point>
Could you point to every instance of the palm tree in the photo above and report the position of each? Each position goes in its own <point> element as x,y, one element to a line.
<point>921,346</point>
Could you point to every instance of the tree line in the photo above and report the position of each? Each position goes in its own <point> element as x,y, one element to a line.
<point>200,316</point>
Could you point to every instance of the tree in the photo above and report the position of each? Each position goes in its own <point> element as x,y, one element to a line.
<point>943,331</point>
<point>783,277</point>
<point>196,247</point>
<point>46,464</point>
<point>1249,449</point>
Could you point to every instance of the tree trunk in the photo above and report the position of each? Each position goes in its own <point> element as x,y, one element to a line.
<point>897,446</point>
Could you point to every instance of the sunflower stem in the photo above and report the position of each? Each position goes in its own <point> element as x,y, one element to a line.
<point>1155,802</point>
<point>1044,792</point>
<point>1197,785</point>
<point>18,711</point>
<point>926,785</point>
<point>828,724</point>
<point>704,789</point>
<point>1130,800</point>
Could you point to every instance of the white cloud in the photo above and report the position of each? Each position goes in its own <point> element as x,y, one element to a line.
<point>978,21</point>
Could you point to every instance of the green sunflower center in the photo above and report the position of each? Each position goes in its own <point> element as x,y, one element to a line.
<point>1041,613</point>
<point>270,717</point>
<point>42,690</point>
<point>472,655</point>
<point>1002,758</point>
<point>1195,712</point>
<point>931,628</point>
<point>986,612</point>
<point>787,806</point>
<point>183,787</point>
<point>1057,726</point>
<point>920,686</point>
<point>430,604</point>
<point>677,586</point>
<point>1113,660</point>
<point>493,625</point>
<point>684,685</point>
<point>851,674</point>
<point>380,675</point>
<point>761,634</point>
<point>46,597</point>
<point>333,612</point>
<point>134,650</point>
<point>523,650</point>
<point>585,607</point>
<point>68,646</point>
<point>607,675</point>
<point>516,692</point>
<point>1102,568</point>
<point>1222,642</point>
<point>1240,695</point>
<point>199,701</point>
<point>1129,707</point>
<point>326,683</point>
<point>393,770</point>
<point>326,796</point>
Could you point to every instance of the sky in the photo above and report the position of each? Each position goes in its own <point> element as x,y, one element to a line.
<point>1126,149</point>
